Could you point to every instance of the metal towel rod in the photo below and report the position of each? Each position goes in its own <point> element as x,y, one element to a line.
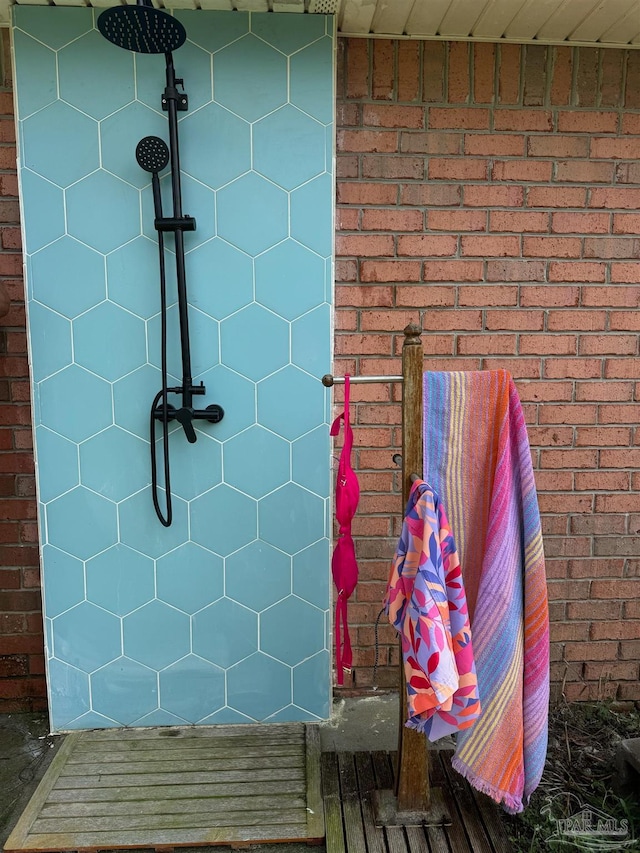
<point>328,380</point>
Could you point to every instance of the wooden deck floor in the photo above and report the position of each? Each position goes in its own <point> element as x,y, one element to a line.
<point>159,788</point>
<point>350,782</point>
<point>236,785</point>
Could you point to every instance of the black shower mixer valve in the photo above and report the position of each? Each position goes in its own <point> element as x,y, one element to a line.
<point>186,414</point>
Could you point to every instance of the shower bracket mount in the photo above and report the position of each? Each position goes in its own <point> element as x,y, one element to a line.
<point>174,223</point>
<point>171,94</point>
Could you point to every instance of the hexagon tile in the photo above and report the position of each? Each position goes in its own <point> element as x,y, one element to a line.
<point>220,618</point>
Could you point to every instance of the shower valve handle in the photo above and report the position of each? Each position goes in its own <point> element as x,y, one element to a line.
<point>184,416</point>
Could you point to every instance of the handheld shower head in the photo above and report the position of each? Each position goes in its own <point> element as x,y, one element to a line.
<point>152,154</point>
<point>141,28</point>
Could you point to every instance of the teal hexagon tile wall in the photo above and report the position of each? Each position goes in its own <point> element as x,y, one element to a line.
<point>63,586</point>
<point>258,575</point>
<point>221,617</point>
<point>47,223</point>
<point>66,275</point>
<point>250,78</point>
<point>54,31</point>
<point>33,94</point>
<point>309,581</point>
<point>68,693</point>
<point>307,90</point>
<point>120,580</point>
<point>191,687</point>
<point>225,632</point>
<point>60,127</point>
<point>91,52</point>
<point>309,346</point>
<point>222,278</point>
<point>259,686</point>
<point>213,32</point>
<point>53,350</point>
<point>124,690</point>
<point>58,463</point>
<point>190,577</point>
<point>132,277</point>
<point>284,33</point>
<point>311,223</point>
<point>222,129</point>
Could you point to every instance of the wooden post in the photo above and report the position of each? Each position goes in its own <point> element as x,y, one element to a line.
<point>412,773</point>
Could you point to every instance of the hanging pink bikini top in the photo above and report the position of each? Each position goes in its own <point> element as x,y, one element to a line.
<point>343,564</point>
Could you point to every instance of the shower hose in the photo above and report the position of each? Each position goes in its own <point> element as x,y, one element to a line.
<point>162,394</point>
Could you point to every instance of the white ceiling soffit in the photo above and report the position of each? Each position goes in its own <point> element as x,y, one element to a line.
<point>602,23</point>
<point>611,23</point>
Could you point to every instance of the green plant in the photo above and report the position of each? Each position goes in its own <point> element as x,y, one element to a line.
<point>575,806</point>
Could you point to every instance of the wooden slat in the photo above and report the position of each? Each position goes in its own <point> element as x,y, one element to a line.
<point>437,837</point>
<point>183,805</point>
<point>116,824</point>
<point>116,780</point>
<point>315,808</point>
<point>383,770</point>
<point>165,838</point>
<point>416,839</point>
<point>351,813</point>
<point>367,786</point>
<point>334,829</point>
<point>190,765</point>
<point>465,833</point>
<point>246,787</point>
<point>395,839</point>
<point>180,745</point>
<point>266,731</point>
<point>489,812</point>
<point>86,756</point>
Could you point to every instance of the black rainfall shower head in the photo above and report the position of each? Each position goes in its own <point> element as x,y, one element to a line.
<point>152,154</point>
<point>142,28</point>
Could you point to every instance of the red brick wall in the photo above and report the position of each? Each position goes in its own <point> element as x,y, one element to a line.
<point>22,686</point>
<point>491,194</point>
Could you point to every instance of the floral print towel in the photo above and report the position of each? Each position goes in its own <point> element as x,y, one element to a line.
<point>426,603</point>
